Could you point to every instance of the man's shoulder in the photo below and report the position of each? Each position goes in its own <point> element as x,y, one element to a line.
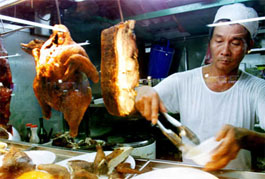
<point>252,80</point>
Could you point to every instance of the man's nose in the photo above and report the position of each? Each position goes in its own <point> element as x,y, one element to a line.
<point>226,49</point>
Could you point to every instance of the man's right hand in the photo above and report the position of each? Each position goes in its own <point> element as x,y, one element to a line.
<point>148,103</point>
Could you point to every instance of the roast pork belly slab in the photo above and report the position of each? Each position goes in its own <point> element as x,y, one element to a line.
<point>119,68</point>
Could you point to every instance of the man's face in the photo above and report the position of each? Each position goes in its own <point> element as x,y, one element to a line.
<point>228,46</point>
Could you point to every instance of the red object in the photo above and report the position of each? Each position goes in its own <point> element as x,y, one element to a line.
<point>5,89</point>
<point>34,126</point>
<point>28,125</point>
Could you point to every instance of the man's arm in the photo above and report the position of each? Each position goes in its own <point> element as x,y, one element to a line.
<point>234,139</point>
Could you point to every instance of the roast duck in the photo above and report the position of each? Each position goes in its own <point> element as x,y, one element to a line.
<point>16,164</point>
<point>5,89</point>
<point>62,69</point>
<point>119,68</point>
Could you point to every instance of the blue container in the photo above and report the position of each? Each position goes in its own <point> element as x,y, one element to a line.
<point>160,60</point>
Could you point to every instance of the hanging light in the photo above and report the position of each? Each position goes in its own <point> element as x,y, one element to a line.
<point>236,22</point>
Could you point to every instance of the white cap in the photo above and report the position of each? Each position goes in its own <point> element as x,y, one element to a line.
<point>236,12</point>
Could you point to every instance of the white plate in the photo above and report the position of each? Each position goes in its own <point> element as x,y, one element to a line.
<point>38,157</point>
<point>176,172</point>
<point>89,157</point>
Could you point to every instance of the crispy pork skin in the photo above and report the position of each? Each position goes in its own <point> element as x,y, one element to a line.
<point>119,68</point>
<point>117,157</point>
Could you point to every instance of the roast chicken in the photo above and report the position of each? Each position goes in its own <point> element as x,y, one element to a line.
<point>62,69</point>
<point>5,89</point>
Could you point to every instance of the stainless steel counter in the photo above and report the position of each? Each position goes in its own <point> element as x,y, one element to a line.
<point>144,165</point>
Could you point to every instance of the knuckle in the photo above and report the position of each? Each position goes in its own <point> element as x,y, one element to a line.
<point>154,95</point>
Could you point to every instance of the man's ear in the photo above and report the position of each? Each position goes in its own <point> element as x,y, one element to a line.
<point>251,44</point>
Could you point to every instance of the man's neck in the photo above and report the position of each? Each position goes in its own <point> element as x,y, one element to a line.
<point>218,80</point>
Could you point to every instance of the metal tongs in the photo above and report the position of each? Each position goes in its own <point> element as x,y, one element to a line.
<point>173,137</point>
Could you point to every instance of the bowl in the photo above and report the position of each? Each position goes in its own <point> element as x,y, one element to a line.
<point>202,154</point>
<point>4,134</point>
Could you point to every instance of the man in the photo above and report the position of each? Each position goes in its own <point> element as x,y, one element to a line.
<point>217,99</point>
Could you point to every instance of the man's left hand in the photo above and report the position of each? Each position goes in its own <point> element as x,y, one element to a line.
<point>228,149</point>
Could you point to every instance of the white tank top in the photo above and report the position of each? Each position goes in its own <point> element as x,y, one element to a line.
<point>205,112</point>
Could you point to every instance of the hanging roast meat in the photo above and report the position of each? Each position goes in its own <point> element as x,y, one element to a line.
<point>119,68</point>
<point>62,68</point>
<point>5,89</point>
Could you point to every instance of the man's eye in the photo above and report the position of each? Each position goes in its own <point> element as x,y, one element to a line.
<point>218,41</point>
<point>236,43</point>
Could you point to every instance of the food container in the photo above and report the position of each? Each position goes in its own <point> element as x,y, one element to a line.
<point>142,149</point>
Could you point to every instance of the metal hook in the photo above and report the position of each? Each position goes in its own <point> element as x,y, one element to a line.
<point>58,12</point>
<point>120,10</point>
